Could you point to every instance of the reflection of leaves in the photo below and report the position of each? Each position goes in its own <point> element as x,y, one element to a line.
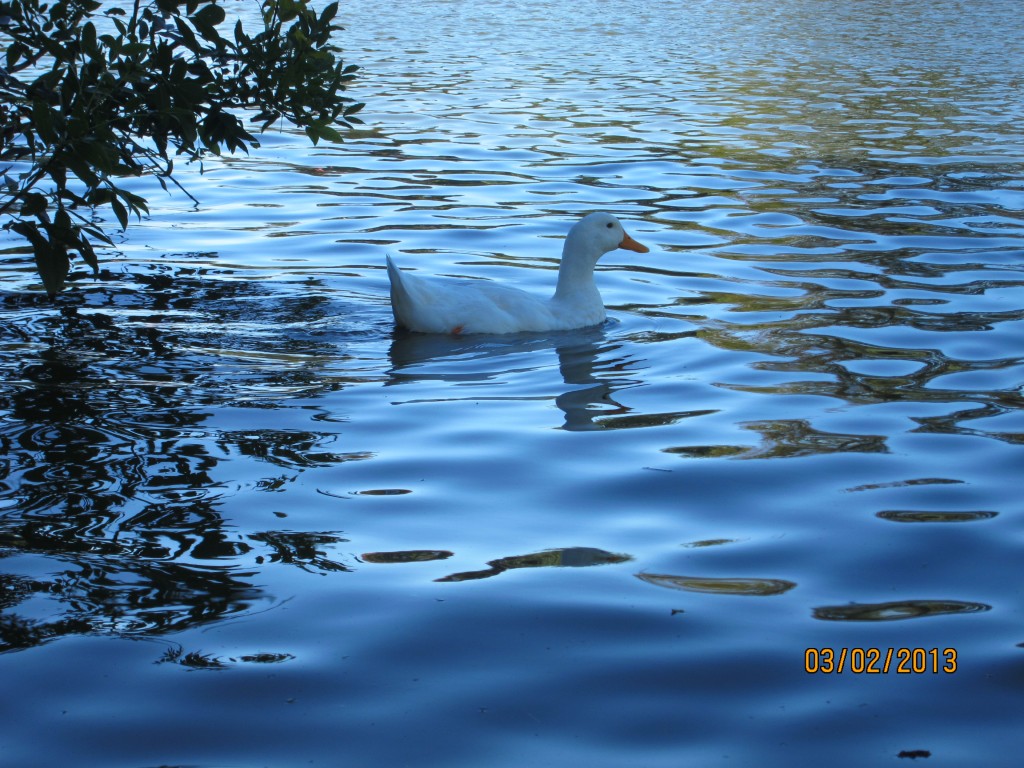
<point>303,549</point>
<point>266,658</point>
<point>192,660</point>
<point>788,438</point>
<point>13,589</point>
<point>157,532</point>
<point>571,557</point>
<point>108,595</point>
<point>408,556</point>
<point>957,422</point>
<point>816,332</point>
<point>894,611</point>
<point>124,574</point>
<point>17,632</point>
<point>905,484</point>
<point>289,449</point>
<point>133,583</point>
<point>719,586</point>
<point>709,543</point>
<point>111,472</point>
<point>929,516</point>
<point>632,421</point>
<point>198,660</point>
<point>707,451</point>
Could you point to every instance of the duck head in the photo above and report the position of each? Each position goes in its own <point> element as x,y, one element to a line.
<point>598,233</point>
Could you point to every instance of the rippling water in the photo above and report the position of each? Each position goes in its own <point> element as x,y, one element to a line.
<point>244,522</point>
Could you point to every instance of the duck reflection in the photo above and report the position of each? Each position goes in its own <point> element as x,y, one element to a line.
<point>591,364</point>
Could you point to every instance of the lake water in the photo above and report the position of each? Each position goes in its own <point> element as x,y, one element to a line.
<point>243,522</point>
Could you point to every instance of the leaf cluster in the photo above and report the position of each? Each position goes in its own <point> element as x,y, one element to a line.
<point>91,95</point>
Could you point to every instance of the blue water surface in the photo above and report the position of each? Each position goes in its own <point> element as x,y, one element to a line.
<point>246,522</point>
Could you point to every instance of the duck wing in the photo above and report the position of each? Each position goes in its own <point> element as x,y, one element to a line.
<point>448,305</point>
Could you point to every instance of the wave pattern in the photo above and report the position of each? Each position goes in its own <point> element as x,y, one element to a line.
<point>824,341</point>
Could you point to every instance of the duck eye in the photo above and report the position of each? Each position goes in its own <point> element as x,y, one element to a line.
<point>609,225</point>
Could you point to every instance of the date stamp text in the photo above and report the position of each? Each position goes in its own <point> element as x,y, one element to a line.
<point>880,661</point>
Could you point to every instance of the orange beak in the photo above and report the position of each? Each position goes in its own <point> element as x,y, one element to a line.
<point>632,245</point>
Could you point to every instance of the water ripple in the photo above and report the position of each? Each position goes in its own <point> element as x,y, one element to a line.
<point>818,363</point>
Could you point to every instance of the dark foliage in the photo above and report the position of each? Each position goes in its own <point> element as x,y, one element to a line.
<point>90,95</point>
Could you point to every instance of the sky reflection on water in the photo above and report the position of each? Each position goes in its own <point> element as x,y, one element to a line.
<point>243,521</point>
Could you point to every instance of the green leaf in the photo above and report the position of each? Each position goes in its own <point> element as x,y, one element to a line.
<point>137,50</point>
<point>83,170</point>
<point>42,117</point>
<point>62,226</point>
<point>137,204</point>
<point>113,44</point>
<point>240,37</point>
<point>207,18</point>
<point>53,265</point>
<point>187,35</point>
<point>83,108</point>
<point>29,231</point>
<point>89,39</point>
<point>87,253</point>
<point>320,130</point>
<point>34,204</point>
<point>288,10</point>
<point>120,211</point>
<point>98,234</point>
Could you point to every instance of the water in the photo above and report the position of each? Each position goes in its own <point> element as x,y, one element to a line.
<point>244,523</point>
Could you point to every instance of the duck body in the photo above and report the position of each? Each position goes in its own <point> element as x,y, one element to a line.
<point>459,306</point>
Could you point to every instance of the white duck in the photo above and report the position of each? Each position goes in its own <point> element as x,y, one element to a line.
<point>448,305</point>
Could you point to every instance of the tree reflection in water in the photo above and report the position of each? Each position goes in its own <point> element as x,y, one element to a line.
<point>107,471</point>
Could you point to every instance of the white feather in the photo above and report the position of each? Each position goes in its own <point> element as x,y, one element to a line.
<point>448,305</point>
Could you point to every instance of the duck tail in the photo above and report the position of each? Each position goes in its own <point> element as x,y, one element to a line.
<point>400,298</point>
